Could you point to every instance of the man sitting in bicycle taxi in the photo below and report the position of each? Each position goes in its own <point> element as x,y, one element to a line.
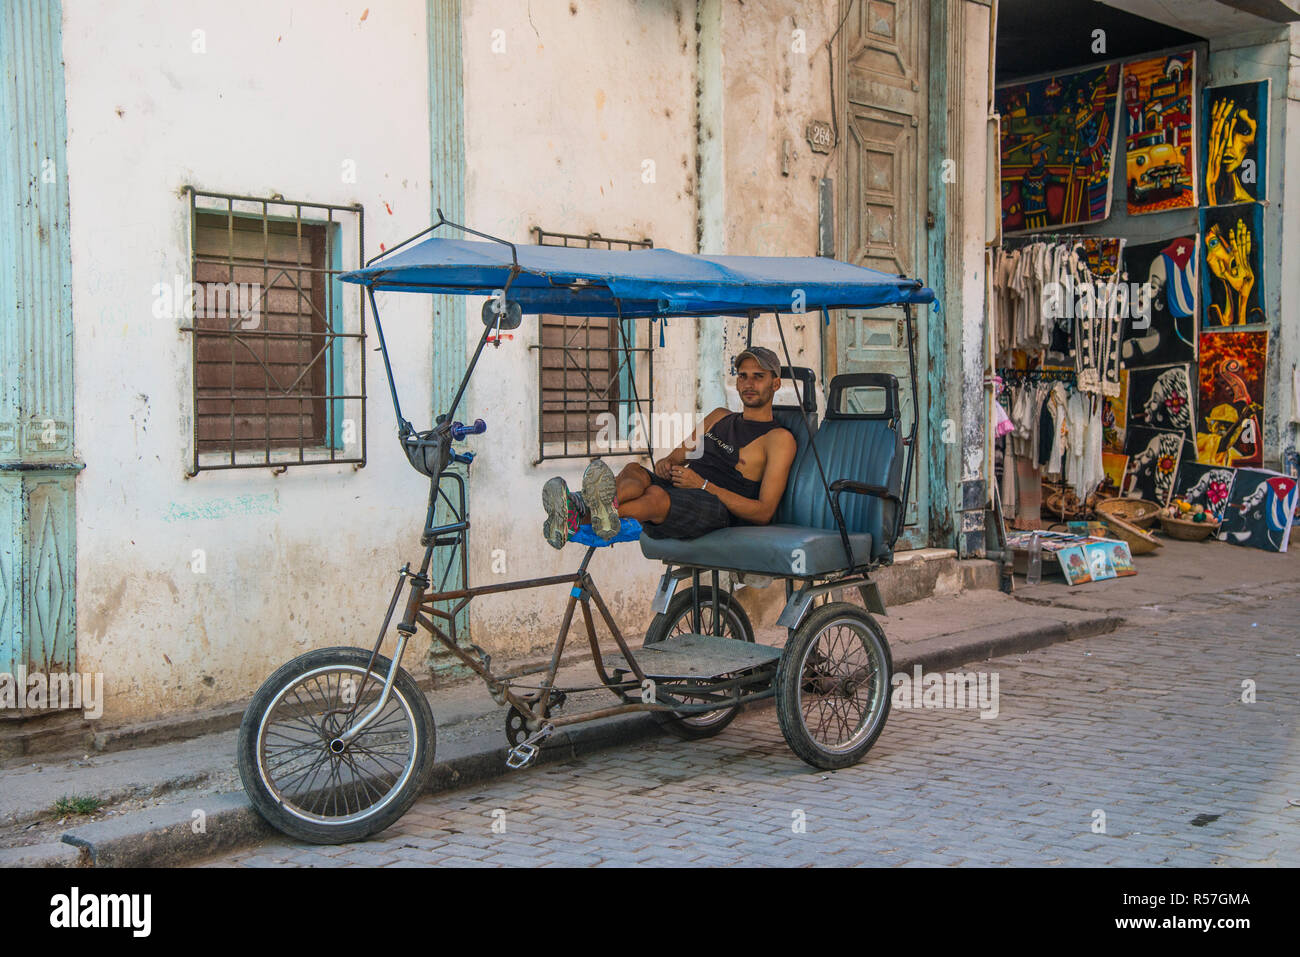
<point>734,476</point>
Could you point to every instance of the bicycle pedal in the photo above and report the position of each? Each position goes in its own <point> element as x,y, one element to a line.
<point>526,751</point>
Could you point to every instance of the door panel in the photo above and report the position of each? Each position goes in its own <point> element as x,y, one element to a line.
<point>883,204</point>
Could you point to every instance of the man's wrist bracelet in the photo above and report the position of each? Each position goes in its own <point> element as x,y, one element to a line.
<point>705,486</point>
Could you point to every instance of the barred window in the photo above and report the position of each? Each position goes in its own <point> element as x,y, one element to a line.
<point>278,358</point>
<point>587,370</point>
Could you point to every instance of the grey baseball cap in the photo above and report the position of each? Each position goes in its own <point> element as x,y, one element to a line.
<point>766,359</point>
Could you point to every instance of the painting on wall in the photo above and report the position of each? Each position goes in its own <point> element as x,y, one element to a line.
<point>1104,255</point>
<point>1114,466</point>
<point>1260,510</point>
<point>1232,265</point>
<point>1234,149</point>
<point>1058,143</point>
<point>1205,485</point>
<point>1160,133</point>
<point>1166,332</point>
<point>1161,398</point>
<point>1114,417</point>
<point>1230,401</point>
<point>1153,458</point>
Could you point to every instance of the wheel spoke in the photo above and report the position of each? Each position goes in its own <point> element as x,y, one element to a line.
<point>309,780</point>
<point>839,691</point>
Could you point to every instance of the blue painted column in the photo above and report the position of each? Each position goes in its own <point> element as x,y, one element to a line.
<point>450,343</point>
<point>945,317</point>
<point>37,465</point>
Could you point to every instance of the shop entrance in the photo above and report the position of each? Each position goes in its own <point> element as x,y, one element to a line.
<point>881,62</point>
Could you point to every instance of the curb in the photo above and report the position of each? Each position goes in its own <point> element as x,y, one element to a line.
<point>174,835</point>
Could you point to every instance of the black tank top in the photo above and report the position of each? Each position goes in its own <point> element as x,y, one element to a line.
<point>721,451</point>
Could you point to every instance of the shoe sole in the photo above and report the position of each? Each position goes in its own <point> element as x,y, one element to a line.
<point>598,490</point>
<point>555,499</point>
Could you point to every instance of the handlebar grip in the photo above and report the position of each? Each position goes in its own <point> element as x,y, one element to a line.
<point>460,430</point>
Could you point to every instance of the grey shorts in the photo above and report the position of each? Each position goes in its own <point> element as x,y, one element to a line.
<point>692,512</point>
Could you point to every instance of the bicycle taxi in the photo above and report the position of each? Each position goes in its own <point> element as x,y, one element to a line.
<point>338,743</point>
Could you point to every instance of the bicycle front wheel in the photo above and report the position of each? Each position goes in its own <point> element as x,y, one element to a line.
<point>307,783</point>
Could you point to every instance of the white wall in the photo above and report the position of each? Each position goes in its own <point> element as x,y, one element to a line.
<point>560,121</point>
<point>565,102</point>
<point>283,95</point>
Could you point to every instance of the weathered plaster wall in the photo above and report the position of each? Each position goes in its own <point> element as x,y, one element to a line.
<point>303,559</point>
<point>971,192</point>
<point>567,105</point>
<point>774,79</point>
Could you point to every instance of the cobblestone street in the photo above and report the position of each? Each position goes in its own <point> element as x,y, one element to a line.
<point>1133,748</point>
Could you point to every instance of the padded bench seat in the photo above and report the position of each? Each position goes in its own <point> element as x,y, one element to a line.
<point>762,549</point>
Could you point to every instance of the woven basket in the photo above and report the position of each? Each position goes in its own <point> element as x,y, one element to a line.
<point>1139,542</point>
<point>1135,511</point>
<point>1187,531</point>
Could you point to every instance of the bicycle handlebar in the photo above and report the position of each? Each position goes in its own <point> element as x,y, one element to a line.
<point>459,430</point>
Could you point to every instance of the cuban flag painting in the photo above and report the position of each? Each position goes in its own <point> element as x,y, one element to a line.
<point>1163,290</point>
<point>1180,277</point>
<point>1260,510</point>
<point>1280,510</point>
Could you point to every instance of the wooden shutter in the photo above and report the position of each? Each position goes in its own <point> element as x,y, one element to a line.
<point>260,380</point>
<point>579,357</point>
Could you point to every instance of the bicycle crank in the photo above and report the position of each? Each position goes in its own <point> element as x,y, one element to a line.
<point>526,751</point>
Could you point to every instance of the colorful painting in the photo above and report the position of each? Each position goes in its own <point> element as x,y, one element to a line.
<point>1161,328</point>
<point>1205,485</point>
<point>1232,265</point>
<point>1159,133</point>
<point>1153,457</point>
<point>1058,143</point>
<point>1121,559</point>
<point>1114,465</point>
<point>1235,148</point>
<point>1075,565</point>
<point>1114,417</point>
<point>1260,510</point>
<point>1100,565</point>
<point>1162,399</point>
<point>1103,255</point>
<point>1230,402</point>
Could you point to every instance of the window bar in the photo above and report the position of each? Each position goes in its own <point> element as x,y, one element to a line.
<point>331,386</point>
<point>361,299</point>
<point>194,339</point>
<point>266,340</point>
<point>230,339</point>
<point>297,321</point>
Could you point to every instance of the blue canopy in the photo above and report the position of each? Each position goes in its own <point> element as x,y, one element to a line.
<point>575,281</point>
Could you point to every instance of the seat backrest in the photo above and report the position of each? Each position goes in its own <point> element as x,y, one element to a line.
<point>792,417</point>
<point>859,440</point>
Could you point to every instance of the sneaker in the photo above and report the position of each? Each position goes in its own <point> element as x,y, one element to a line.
<point>564,512</point>
<point>598,489</point>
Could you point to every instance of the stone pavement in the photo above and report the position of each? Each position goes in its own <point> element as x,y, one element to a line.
<point>1131,748</point>
<point>153,791</point>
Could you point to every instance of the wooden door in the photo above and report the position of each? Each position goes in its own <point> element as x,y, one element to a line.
<point>883,203</point>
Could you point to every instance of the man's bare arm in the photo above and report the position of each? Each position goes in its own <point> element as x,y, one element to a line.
<point>781,449</point>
